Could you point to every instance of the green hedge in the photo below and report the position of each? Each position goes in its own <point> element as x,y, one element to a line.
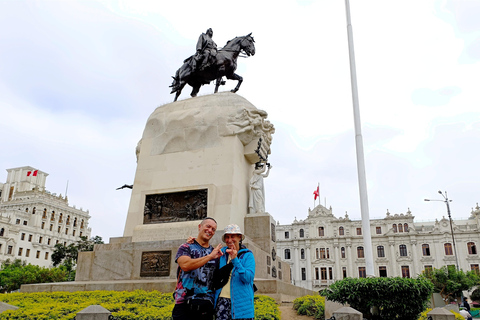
<point>124,305</point>
<point>313,306</point>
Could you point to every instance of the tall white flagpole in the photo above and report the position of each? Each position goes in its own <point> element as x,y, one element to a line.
<point>367,237</point>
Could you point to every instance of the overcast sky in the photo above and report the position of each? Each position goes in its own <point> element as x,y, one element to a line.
<point>78,80</point>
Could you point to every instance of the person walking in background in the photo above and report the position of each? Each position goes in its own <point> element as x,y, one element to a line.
<point>197,262</point>
<point>237,270</point>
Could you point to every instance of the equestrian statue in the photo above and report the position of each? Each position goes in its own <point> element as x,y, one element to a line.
<point>209,64</point>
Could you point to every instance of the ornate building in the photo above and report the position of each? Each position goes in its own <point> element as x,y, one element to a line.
<point>33,220</point>
<point>323,248</point>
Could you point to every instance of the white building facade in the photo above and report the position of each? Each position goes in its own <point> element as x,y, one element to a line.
<point>33,220</point>
<point>323,248</point>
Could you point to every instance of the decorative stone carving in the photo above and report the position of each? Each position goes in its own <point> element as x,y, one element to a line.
<point>256,203</point>
<point>155,264</point>
<point>174,207</point>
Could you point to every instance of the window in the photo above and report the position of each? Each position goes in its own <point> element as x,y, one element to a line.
<point>405,272</point>
<point>403,250</point>
<point>344,272</point>
<point>361,272</point>
<point>9,250</point>
<point>378,230</point>
<point>448,249</point>
<point>287,235</point>
<point>321,231</point>
<point>20,250</point>
<point>304,274</point>
<point>475,268</point>
<point>46,255</point>
<point>330,272</point>
<point>317,253</point>
<point>2,232</point>
<point>40,240</point>
<point>25,222</point>
<point>73,233</point>
<point>43,225</point>
<point>22,237</point>
<point>59,229</point>
<point>48,241</point>
<point>322,253</point>
<point>394,227</point>
<point>51,227</point>
<point>405,227</point>
<point>382,271</point>
<point>472,249</point>
<point>302,233</point>
<point>75,222</point>
<point>341,231</point>
<point>324,273</point>
<point>27,253</point>
<point>359,231</point>
<point>428,269</point>
<point>328,253</point>
<point>66,230</point>
<point>302,254</point>
<point>287,254</point>
<point>342,250</point>
<point>17,221</point>
<point>360,253</point>
<point>400,227</point>
<point>380,252</point>
<point>29,238</point>
<point>426,250</point>
<point>38,254</point>
<point>317,274</point>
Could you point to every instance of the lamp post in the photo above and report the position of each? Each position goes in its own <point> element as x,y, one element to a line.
<point>446,200</point>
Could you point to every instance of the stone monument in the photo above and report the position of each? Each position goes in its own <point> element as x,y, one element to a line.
<point>196,158</point>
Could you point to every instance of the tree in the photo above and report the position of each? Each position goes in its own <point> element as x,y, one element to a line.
<point>396,298</point>
<point>67,256</point>
<point>450,282</point>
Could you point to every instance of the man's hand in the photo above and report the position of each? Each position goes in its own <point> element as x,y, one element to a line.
<point>216,253</point>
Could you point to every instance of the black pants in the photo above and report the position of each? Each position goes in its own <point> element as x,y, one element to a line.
<point>183,311</point>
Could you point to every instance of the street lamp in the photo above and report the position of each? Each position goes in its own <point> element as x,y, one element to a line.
<point>446,200</point>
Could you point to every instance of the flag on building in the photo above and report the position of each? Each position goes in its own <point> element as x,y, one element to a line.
<point>35,173</point>
<point>316,193</point>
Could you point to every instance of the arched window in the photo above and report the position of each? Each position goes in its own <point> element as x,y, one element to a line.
<point>68,219</point>
<point>343,252</point>
<point>448,249</point>
<point>360,253</point>
<point>380,252</point>
<point>302,254</point>
<point>53,216</point>
<point>321,231</point>
<point>287,254</point>
<point>81,224</point>
<point>472,249</point>
<point>426,249</point>
<point>75,222</point>
<point>341,231</point>
<point>405,227</point>
<point>394,227</point>
<point>403,250</point>
<point>302,233</point>
<point>400,227</point>
<point>60,218</point>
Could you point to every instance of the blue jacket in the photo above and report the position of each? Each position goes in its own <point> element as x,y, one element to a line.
<point>241,283</point>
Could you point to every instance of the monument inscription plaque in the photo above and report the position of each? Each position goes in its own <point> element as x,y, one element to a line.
<point>155,264</point>
<point>175,207</point>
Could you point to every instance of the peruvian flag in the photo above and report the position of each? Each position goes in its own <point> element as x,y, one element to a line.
<point>316,193</point>
<point>29,173</point>
<point>35,173</point>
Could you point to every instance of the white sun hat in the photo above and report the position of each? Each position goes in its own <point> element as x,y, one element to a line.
<point>232,229</point>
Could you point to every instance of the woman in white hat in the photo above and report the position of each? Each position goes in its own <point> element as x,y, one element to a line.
<point>235,299</point>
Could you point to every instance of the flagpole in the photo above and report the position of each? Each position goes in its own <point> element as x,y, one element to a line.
<point>367,238</point>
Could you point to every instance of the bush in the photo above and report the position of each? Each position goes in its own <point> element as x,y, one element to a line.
<point>313,306</point>
<point>124,305</point>
<point>396,298</point>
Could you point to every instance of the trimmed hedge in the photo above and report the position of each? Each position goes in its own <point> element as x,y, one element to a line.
<point>124,305</point>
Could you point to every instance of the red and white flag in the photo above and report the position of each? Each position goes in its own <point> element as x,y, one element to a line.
<point>316,193</point>
<point>29,173</point>
<point>35,173</point>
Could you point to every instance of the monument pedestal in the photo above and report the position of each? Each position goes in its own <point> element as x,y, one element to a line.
<point>195,159</point>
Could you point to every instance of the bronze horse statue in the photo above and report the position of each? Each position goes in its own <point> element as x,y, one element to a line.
<point>224,64</point>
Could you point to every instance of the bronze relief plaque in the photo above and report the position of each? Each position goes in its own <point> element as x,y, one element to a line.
<point>155,264</point>
<point>175,206</point>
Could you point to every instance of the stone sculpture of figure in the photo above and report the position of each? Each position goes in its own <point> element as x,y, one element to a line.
<point>256,202</point>
<point>206,48</point>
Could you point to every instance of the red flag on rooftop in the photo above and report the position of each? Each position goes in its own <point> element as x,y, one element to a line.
<point>29,173</point>
<point>316,193</point>
<point>35,173</point>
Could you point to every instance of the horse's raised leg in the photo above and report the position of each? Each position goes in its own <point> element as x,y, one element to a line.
<point>217,84</point>
<point>195,90</point>
<point>236,77</point>
<point>179,89</point>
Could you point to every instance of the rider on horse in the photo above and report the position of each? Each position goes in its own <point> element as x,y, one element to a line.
<point>206,51</point>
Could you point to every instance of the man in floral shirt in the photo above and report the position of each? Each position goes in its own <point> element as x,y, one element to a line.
<point>194,294</point>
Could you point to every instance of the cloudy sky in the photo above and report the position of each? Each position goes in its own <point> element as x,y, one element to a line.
<point>78,80</point>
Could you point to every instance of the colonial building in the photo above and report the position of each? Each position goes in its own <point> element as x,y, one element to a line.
<point>323,248</point>
<point>33,220</point>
